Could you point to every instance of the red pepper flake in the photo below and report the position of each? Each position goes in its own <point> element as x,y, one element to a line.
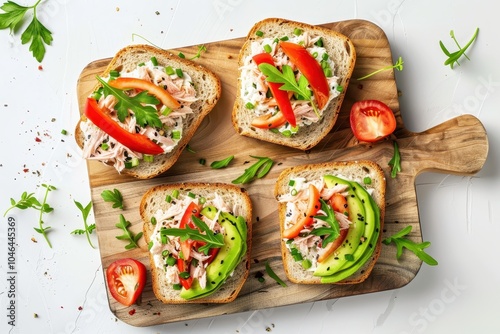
<point>38,140</point>
<point>132,311</point>
<point>26,170</point>
<point>80,308</point>
<point>40,67</point>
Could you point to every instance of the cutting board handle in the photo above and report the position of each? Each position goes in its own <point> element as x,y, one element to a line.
<point>457,146</point>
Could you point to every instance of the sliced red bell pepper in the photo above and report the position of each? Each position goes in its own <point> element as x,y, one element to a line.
<point>192,210</point>
<point>134,83</point>
<point>269,121</point>
<point>184,268</point>
<point>310,68</point>
<point>281,96</point>
<point>134,141</point>
<point>313,207</point>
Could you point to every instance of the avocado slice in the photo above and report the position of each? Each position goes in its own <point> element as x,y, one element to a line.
<point>344,254</point>
<point>226,259</point>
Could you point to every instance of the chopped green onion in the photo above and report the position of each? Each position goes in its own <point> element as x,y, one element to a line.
<point>315,54</point>
<point>168,198</point>
<point>249,105</point>
<point>153,220</point>
<point>148,157</point>
<point>169,70</point>
<point>154,61</point>
<point>165,253</point>
<point>104,146</point>
<point>259,33</point>
<point>284,38</point>
<point>291,183</point>
<point>179,73</point>
<point>268,48</point>
<point>176,135</point>
<point>325,56</point>
<point>319,42</point>
<point>177,286</point>
<point>64,132</point>
<point>166,111</point>
<point>184,275</point>
<point>306,264</point>
<point>96,95</point>
<point>181,55</point>
<point>294,192</point>
<point>297,31</point>
<point>340,88</point>
<point>367,180</point>
<point>171,260</point>
<point>175,194</point>
<point>134,162</point>
<point>114,73</point>
<point>190,194</point>
<point>141,64</point>
<point>202,161</point>
<point>150,245</point>
<point>328,72</point>
<point>202,200</point>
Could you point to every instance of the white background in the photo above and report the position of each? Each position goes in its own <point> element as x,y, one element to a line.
<point>459,215</point>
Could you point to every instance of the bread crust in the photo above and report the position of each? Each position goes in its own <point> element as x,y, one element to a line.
<point>208,87</point>
<point>350,169</point>
<point>342,52</point>
<point>154,199</point>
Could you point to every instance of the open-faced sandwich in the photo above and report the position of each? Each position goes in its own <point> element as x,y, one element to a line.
<point>199,238</point>
<point>331,216</point>
<point>145,108</point>
<point>292,81</point>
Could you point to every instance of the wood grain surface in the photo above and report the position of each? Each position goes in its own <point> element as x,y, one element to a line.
<point>458,146</point>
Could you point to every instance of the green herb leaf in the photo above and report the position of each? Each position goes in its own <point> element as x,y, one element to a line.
<point>273,275</point>
<point>395,162</point>
<point>201,49</point>
<point>453,57</point>
<point>401,242</point>
<point>114,197</point>
<point>88,228</point>
<point>257,170</point>
<point>14,13</point>
<point>222,163</point>
<point>127,234</point>
<point>144,114</point>
<point>398,66</point>
<point>333,231</point>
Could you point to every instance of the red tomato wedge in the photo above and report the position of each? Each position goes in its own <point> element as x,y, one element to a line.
<point>281,96</point>
<point>372,120</point>
<point>310,68</point>
<point>192,210</point>
<point>126,279</point>
<point>134,141</point>
<point>133,83</point>
<point>313,206</point>
<point>338,204</point>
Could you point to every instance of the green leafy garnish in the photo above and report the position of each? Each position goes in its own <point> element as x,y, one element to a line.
<point>201,233</point>
<point>144,114</point>
<point>418,249</point>
<point>287,77</point>
<point>455,56</point>
<point>114,196</point>
<point>127,234</point>
<point>273,275</point>
<point>395,162</point>
<point>30,201</point>
<point>398,66</point>
<point>257,170</point>
<point>222,163</point>
<point>201,49</point>
<point>333,230</point>
<point>36,32</point>
<point>88,229</point>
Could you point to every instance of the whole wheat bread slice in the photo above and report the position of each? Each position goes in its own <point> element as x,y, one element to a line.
<point>353,170</point>
<point>208,89</point>
<point>341,51</point>
<point>154,199</point>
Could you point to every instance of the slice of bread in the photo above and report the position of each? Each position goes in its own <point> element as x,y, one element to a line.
<point>340,50</point>
<point>351,170</point>
<point>208,91</point>
<point>232,196</point>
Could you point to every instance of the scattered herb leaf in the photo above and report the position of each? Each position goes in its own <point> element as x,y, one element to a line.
<point>114,196</point>
<point>455,56</point>
<point>88,229</point>
<point>222,163</point>
<point>331,232</point>
<point>273,275</point>
<point>257,170</point>
<point>395,162</point>
<point>201,49</point>
<point>127,234</point>
<point>418,249</point>
<point>398,66</point>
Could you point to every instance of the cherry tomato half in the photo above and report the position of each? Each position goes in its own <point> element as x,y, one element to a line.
<point>372,120</point>
<point>126,279</point>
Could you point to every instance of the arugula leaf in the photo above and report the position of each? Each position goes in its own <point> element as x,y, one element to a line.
<point>400,240</point>
<point>257,170</point>
<point>273,275</point>
<point>88,228</point>
<point>222,163</point>
<point>287,77</point>
<point>36,32</point>
<point>127,234</point>
<point>455,56</point>
<point>395,162</point>
<point>144,114</point>
<point>398,66</point>
<point>114,197</point>
<point>332,232</point>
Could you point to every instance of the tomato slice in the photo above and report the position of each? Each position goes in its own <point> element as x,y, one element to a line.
<point>134,83</point>
<point>126,279</point>
<point>372,120</point>
<point>281,96</point>
<point>134,141</point>
<point>310,68</point>
<point>313,206</point>
<point>269,121</point>
<point>192,210</point>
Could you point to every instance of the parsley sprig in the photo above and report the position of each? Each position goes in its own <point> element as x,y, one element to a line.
<point>400,240</point>
<point>141,105</point>
<point>36,32</point>
<point>88,229</point>
<point>201,233</point>
<point>287,77</point>
<point>395,162</point>
<point>333,230</point>
<point>114,196</point>
<point>127,234</point>
<point>453,57</point>
<point>257,170</point>
<point>398,66</point>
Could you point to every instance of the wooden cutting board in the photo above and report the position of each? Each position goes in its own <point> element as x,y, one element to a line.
<point>458,146</point>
